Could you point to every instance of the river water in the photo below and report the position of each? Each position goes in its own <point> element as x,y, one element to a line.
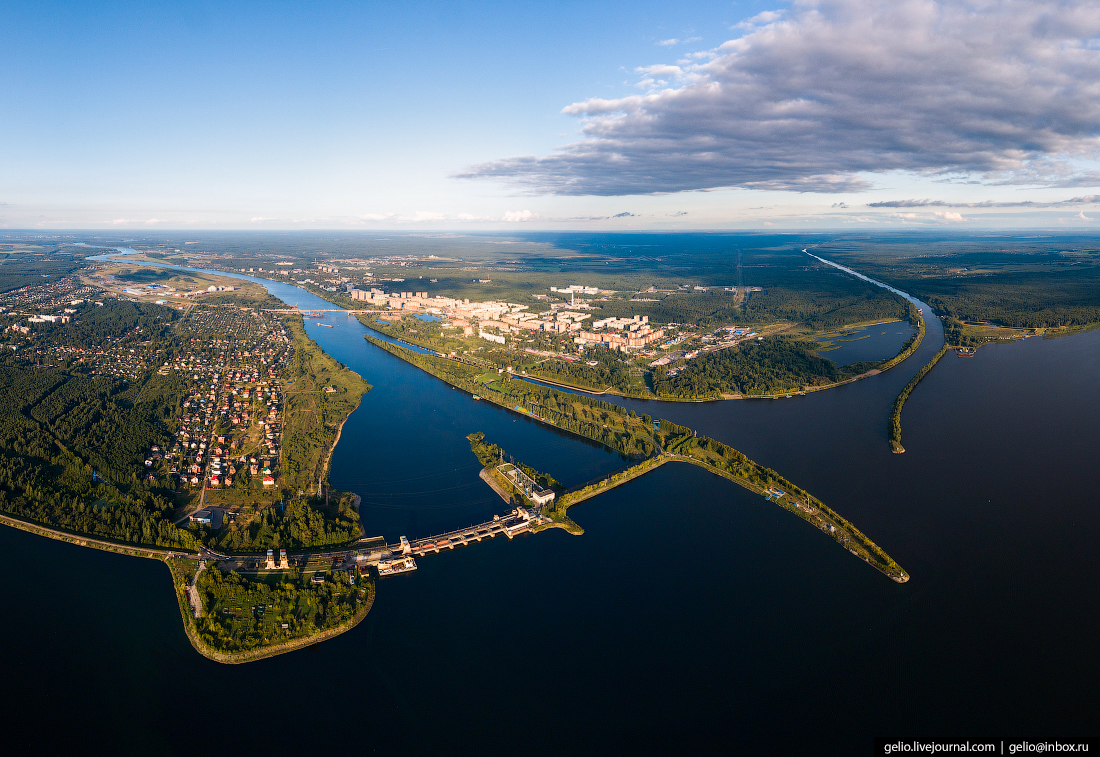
<point>690,615</point>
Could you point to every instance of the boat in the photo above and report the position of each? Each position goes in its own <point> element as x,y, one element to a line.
<point>326,325</point>
<point>966,352</point>
<point>476,397</point>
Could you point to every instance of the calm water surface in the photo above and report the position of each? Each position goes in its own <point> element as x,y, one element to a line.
<point>690,615</point>
<point>877,342</point>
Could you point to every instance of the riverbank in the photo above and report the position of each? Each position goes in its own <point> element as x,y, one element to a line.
<point>321,395</point>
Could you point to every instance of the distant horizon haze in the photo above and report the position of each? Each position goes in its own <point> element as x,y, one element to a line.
<point>786,115</point>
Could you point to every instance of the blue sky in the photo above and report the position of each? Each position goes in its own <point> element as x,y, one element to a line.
<point>453,115</point>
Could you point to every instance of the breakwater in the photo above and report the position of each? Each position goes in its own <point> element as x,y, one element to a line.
<point>899,403</point>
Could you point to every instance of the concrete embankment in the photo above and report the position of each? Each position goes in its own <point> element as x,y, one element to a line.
<point>487,477</point>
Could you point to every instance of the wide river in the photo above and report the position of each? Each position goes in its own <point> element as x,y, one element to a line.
<point>690,615</point>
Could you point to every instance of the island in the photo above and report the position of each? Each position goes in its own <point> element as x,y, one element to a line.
<point>185,415</point>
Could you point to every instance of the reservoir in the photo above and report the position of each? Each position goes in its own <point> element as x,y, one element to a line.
<point>691,613</point>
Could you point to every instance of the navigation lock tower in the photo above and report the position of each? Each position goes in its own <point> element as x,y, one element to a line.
<point>283,564</point>
<point>270,565</point>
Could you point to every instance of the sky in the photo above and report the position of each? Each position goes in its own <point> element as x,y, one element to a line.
<point>567,115</point>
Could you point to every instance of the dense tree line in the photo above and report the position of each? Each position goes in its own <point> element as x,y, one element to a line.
<point>802,290</point>
<point>595,419</point>
<point>609,371</point>
<point>111,425</point>
<point>24,269</point>
<point>953,334</point>
<point>1031,284</point>
<point>899,403</point>
<point>47,458</point>
<point>490,455</point>
<point>244,614</point>
<point>300,524</point>
<point>776,364</point>
<point>97,326</point>
<point>1020,300</point>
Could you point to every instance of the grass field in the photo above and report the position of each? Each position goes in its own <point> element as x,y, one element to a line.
<point>134,276</point>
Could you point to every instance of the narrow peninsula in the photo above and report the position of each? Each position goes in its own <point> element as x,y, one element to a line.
<point>651,442</point>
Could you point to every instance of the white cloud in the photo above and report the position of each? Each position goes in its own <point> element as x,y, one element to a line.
<point>1083,217</point>
<point>1082,200</point>
<point>760,19</point>
<point>948,215</point>
<point>514,216</point>
<point>669,42</point>
<point>660,70</point>
<point>135,222</point>
<point>817,98</point>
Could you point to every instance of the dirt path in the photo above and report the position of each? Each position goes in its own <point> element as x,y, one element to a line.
<point>193,591</point>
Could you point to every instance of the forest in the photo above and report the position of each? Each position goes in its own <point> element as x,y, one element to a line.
<point>610,371</point>
<point>1020,300</point>
<point>1015,282</point>
<point>25,269</point>
<point>820,298</point>
<point>242,614</point>
<point>298,524</point>
<point>776,364</point>
<point>97,326</point>
<point>71,449</point>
